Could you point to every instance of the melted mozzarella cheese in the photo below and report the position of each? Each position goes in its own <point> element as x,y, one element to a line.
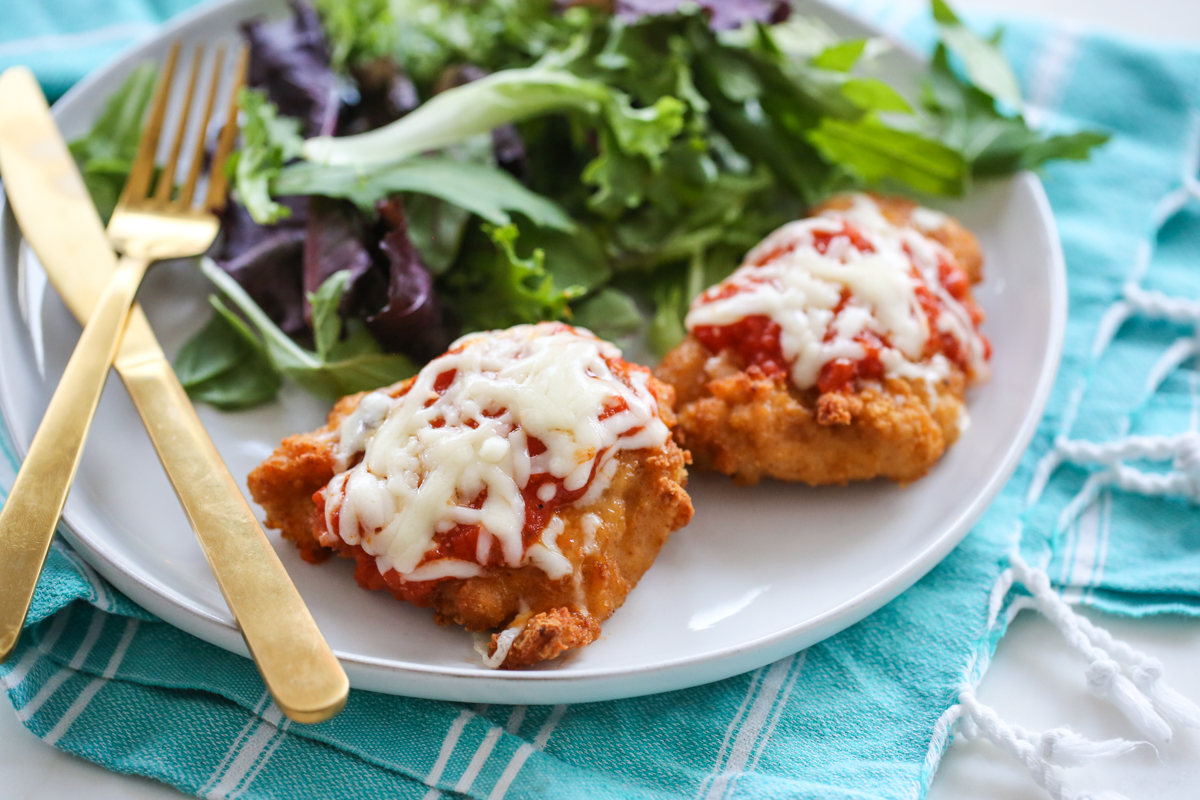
<point>799,288</point>
<point>460,438</point>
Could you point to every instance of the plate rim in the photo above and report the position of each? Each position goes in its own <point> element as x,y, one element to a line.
<point>364,670</point>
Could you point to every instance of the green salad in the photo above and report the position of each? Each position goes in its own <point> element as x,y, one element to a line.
<point>412,170</point>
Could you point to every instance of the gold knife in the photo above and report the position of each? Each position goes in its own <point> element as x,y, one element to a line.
<point>60,223</point>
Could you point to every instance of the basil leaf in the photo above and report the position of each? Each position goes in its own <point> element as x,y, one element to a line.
<point>966,119</point>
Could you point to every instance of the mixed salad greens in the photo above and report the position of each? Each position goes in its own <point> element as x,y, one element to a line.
<point>410,170</point>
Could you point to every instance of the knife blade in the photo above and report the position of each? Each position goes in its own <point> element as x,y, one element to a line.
<point>60,223</point>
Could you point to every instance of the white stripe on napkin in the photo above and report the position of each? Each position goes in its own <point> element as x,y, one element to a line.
<point>779,707</point>
<point>251,747</point>
<point>264,759</point>
<point>776,714</point>
<point>85,697</point>
<point>1106,499</point>
<point>478,760</point>
<point>59,678</point>
<point>1081,550</point>
<point>731,728</point>
<point>448,745</point>
<point>15,678</point>
<point>1050,72</point>
<point>525,751</point>
<point>236,747</point>
<point>746,738</point>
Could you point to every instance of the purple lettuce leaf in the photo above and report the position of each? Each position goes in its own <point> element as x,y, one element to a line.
<point>266,260</point>
<point>384,95</point>
<point>722,14</point>
<point>509,149</point>
<point>336,240</point>
<point>413,320</point>
<point>289,59</point>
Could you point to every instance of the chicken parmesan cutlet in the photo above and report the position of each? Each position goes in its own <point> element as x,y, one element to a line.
<point>524,480</point>
<point>840,350</point>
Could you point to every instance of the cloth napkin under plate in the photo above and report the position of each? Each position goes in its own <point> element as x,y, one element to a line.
<point>864,714</point>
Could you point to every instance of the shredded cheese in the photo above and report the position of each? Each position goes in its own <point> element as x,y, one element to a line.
<point>455,448</point>
<point>789,280</point>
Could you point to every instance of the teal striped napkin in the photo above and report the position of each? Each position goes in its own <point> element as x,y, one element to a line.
<point>1101,500</point>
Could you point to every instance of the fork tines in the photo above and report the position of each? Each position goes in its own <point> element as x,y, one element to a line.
<point>137,190</point>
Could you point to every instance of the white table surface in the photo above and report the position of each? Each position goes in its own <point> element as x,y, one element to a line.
<point>1035,680</point>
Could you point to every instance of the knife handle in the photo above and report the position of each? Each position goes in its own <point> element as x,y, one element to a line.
<point>35,502</point>
<point>297,664</point>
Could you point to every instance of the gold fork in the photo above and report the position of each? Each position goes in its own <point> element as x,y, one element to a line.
<point>296,663</point>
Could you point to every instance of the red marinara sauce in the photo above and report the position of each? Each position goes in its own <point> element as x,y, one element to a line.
<point>756,338</point>
<point>462,541</point>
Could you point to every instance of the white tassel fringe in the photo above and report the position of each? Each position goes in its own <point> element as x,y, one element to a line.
<point>1126,677</point>
<point>1141,695</point>
<point>1036,751</point>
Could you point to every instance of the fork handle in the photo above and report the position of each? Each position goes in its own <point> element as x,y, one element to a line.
<point>35,502</point>
<point>298,666</point>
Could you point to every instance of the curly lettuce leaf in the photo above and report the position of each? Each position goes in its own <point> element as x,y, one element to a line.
<point>502,288</point>
<point>357,30</point>
<point>268,142</point>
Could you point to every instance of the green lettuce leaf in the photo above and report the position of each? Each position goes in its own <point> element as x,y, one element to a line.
<point>484,190</point>
<point>268,142</point>
<point>502,288</point>
<point>609,313</point>
<point>875,154</point>
<point>985,64</point>
<point>105,155</point>
<point>357,30</point>
<point>507,96</point>
<point>344,363</point>
<point>225,364</point>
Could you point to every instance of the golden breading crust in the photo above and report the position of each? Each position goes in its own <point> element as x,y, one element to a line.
<point>642,506</point>
<point>749,425</point>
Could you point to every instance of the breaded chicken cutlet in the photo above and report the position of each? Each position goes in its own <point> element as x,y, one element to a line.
<point>839,351</point>
<point>525,480</point>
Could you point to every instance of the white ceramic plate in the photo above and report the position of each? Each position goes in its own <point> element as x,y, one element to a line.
<point>761,572</point>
